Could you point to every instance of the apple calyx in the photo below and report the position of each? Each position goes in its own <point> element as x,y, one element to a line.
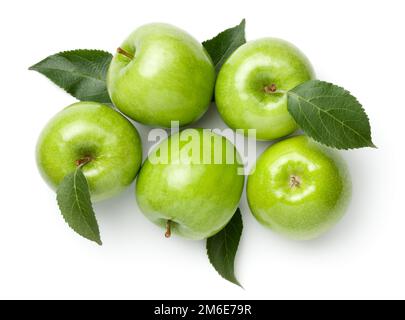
<point>125,53</point>
<point>271,88</point>
<point>295,181</point>
<point>83,161</point>
<point>168,229</point>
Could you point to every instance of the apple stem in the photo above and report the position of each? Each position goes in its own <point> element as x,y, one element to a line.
<point>272,88</point>
<point>168,229</point>
<point>83,161</point>
<point>295,181</point>
<point>125,53</point>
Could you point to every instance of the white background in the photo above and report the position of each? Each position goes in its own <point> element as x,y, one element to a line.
<point>357,44</point>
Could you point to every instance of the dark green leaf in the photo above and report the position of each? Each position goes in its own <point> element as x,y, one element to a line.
<point>330,115</point>
<point>225,43</point>
<point>222,248</point>
<point>82,73</point>
<point>75,205</point>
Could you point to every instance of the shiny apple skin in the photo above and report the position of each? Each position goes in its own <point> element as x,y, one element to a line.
<point>198,198</point>
<point>170,77</point>
<point>240,94</point>
<point>310,209</point>
<point>89,129</point>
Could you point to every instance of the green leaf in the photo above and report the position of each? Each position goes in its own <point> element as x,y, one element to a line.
<point>330,115</point>
<point>82,73</point>
<point>225,43</point>
<point>74,201</point>
<point>222,248</point>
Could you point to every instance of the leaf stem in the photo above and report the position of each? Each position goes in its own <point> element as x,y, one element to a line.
<point>281,91</point>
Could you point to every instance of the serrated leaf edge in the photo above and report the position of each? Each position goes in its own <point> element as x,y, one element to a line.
<point>295,95</point>
<point>34,68</point>
<point>68,51</point>
<point>234,280</point>
<point>241,24</point>
<point>97,238</point>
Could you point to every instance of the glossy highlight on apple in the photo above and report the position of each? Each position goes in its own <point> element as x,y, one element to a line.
<point>192,180</point>
<point>201,146</point>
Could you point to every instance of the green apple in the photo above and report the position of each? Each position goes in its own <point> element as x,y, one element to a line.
<point>161,74</point>
<point>251,87</point>
<point>95,136</point>
<point>191,184</point>
<point>299,188</point>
